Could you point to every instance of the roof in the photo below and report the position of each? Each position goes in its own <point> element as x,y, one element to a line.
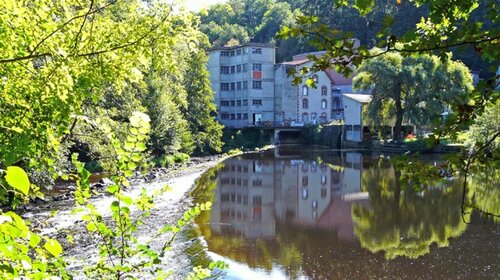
<point>361,98</point>
<point>249,44</point>
<point>296,62</point>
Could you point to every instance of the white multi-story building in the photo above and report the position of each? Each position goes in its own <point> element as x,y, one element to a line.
<point>243,81</point>
<point>308,105</point>
<point>251,90</point>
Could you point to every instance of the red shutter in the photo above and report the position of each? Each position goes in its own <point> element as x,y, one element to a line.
<point>257,74</point>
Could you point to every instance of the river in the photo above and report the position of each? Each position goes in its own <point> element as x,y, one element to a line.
<point>305,213</point>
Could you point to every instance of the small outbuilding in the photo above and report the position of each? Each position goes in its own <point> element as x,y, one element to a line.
<point>353,115</point>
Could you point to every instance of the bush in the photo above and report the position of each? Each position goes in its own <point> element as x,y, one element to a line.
<point>181,158</point>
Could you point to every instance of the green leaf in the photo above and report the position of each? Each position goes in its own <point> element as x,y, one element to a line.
<point>53,247</point>
<point>18,179</point>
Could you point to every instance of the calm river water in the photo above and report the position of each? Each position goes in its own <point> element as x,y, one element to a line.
<point>297,213</point>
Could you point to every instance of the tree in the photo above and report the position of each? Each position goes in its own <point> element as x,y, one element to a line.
<point>447,25</point>
<point>200,111</point>
<point>415,88</point>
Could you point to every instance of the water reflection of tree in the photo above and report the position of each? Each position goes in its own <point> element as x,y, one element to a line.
<point>406,222</point>
<point>483,191</point>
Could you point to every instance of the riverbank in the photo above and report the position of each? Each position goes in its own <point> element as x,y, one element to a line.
<point>55,218</point>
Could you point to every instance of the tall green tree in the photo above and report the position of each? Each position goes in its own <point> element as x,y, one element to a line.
<point>416,89</point>
<point>200,111</point>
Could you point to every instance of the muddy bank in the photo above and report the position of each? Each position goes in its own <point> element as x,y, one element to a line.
<point>55,218</point>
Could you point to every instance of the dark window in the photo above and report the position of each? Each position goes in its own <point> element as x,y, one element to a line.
<point>232,103</point>
<point>238,52</point>
<point>233,69</point>
<point>324,91</point>
<point>224,86</point>
<point>245,85</point>
<point>245,116</point>
<point>224,103</point>
<point>232,53</point>
<point>256,50</point>
<point>238,85</point>
<point>233,86</point>
<point>224,53</point>
<point>238,116</point>
<point>224,69</point>
<point>238,102</point>
<point>305,103</point>
<point>245,102</point>
<point>305,181</point>
<point>245,68</point>
<point>233,116</point>
<point>238,68</point>
<point>256,67</point>
<point>257,102</point>
<point>257,84</point>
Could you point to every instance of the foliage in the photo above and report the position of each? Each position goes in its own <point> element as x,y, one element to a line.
<point>25,254</point>
<point>122,255</point>
<point>70,72</point>
<point>412,89</point>
<point>485,125</point>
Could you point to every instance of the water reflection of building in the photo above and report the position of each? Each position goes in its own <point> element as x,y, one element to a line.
<point>252,194</point>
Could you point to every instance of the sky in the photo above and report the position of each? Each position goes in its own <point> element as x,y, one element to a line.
<point>196,5</point>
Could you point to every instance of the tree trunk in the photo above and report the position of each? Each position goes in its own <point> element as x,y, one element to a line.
<point>399,117</point>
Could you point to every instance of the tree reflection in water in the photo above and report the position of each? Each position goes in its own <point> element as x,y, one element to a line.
<point>361,198</point>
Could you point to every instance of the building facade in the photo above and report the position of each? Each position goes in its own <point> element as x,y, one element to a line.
<point>252,90</point>
<point>242,78</point>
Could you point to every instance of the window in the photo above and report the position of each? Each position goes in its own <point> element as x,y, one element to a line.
<point>224,103</point>
<point>323,179</point>
<point>245,102</point>
<point>224,53</point>
<point>233,103</point>
<point>238,52</point>
<point>324,192</point>
<point>323,118</point>
<point>315,78</point>
<point>245,116</point>
<point>305,103</point>
<point>245,51</point>
<point>233,69</point>
<point>305,91</point>
<point>257,102</point>
<point>238,68</point>
<point>305,118</point>
<point>224,86</point>
<point>256,50</point>
<point>224,69</point>
<point>233,116</point>
<point>232,53</point>
<point>256,67</point>
<point>245,68</point>
<point>305,181</point>
<point>314,117</point>
<point>224,116</point>
<point>257,84</point>
<point>245,85</point>
<point>238,102</point>
<point>233,86</point>
<point>324,91</point>
<point>323,103</point>
<point>238,86</point>
<point>238,116</point>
